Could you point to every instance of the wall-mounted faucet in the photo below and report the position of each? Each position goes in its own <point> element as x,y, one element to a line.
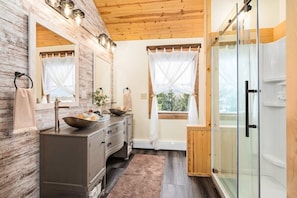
<point>57,107</point>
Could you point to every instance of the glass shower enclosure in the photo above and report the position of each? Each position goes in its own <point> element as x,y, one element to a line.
<point>248,108</point>
<point>235,89</point>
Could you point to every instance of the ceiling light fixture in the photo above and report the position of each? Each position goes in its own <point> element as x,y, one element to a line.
<point>66,9</point>
<point>106,42</point>
<point>78,15</point>
<point>67,6</point>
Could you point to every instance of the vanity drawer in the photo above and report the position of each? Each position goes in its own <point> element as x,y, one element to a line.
<point>114,143</point>
<point>114,129</point>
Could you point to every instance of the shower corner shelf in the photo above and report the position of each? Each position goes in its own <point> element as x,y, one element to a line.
<point>283,83</point>
<point>274,160</point>
<point>275,79</point>
<point>274,104</point>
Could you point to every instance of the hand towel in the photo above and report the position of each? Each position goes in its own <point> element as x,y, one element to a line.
<point>24,111</point>
<point>127,101</point>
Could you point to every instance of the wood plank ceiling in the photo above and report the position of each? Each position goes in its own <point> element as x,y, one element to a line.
<point>46,38</point>
<point>152,19</point>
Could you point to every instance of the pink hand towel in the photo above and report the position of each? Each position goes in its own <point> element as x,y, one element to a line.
<point>24,111</point>
<point>127,101</point>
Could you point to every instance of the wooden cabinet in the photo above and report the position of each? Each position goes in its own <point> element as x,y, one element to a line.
<point>198,151</point>
<point>72,166</point>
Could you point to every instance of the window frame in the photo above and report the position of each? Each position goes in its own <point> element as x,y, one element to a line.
<point>172,115</point>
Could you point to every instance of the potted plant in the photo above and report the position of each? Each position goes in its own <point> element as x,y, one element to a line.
<point>100,99</point>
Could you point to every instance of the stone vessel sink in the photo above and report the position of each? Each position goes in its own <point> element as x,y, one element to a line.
<point>78,122</point>
<point>117,112</point>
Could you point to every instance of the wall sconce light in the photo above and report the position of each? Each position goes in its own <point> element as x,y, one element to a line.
<point>106,42</point>
<point>78,15</point>
<point>66,8</point>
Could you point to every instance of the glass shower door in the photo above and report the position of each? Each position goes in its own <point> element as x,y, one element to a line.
<point>248,102</point>
<point>224,108</point>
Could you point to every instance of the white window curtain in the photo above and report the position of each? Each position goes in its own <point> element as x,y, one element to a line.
<point>175,71</point>
<point>58,76</point>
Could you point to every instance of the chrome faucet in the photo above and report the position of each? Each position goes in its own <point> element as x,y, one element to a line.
<point>57,107</point>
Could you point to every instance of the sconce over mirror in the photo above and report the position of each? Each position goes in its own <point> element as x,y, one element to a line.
<point>66,9</point>
<point>106,42</point>
<point>53,60</point>
<point>102,76</point>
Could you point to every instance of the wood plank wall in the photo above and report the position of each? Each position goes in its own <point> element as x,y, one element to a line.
<point>19,153</point>
<point>198,151</point>
<point>291,48</point>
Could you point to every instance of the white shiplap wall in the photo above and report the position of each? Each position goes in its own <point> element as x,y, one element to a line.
<point>19,153</point>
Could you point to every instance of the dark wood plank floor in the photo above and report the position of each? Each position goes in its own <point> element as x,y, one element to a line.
<point>176,183</point>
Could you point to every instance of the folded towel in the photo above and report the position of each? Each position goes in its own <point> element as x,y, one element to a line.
<point>24,110</point>
<point>127,101</point>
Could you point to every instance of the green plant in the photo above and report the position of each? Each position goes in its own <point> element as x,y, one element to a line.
<point>99,97</point>
<point>172,101</point>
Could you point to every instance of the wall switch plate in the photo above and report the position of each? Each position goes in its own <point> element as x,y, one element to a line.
<point>143,96</point>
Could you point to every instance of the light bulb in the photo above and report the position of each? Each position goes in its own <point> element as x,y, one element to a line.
<point>113,46</point>
<point>108,45</point>
<point>67,10</point>
<point>103,41</point>
<point>54,3</point>
<point>77,20</point>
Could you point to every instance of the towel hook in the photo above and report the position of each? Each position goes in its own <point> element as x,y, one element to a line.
<point>100,90</point>
<point>126,89</point>
<point>18,75</point>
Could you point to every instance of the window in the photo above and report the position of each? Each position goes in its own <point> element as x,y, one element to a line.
<point>173,102</point>
<point>174,77</point>
<point>58,78</point>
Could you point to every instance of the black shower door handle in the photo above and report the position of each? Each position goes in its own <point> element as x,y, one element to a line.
<point>247,122</point>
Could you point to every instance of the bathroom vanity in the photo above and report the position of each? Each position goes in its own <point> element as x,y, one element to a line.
<point>73,161</point>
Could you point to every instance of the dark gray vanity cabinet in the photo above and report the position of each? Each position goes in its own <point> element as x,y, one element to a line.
<point>72,164</point>
<point>128,139</point>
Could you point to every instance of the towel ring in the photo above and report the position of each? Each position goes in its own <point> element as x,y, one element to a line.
<point>100,89</point>
<point>18,75</point>
<point>126,89</point>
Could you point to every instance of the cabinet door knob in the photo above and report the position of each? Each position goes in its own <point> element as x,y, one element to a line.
<point>103,142</point>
